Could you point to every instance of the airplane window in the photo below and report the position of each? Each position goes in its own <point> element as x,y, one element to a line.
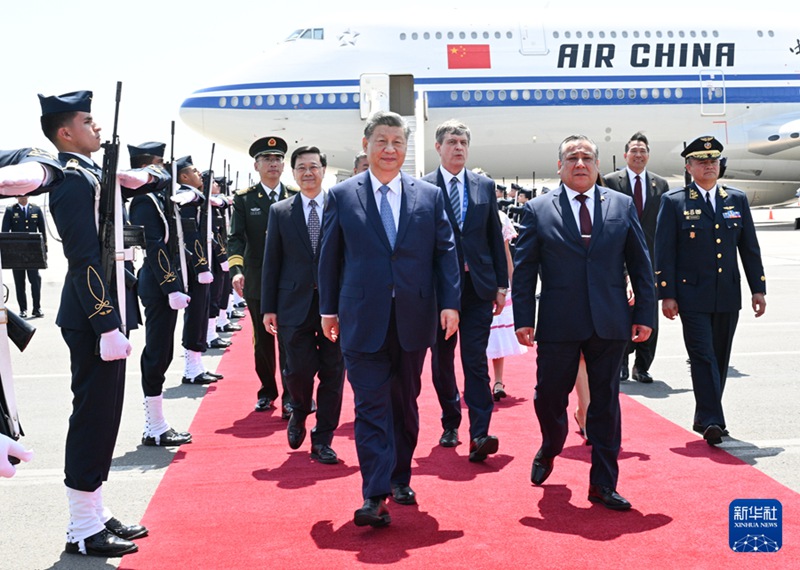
<point>307,99</point>
<point>450,35</point>
<point>655,93</point>
<point>636,33</point>
<point>679,93</point>
<point>259,100</point>
<point>223,101</point>
<point>620,93</point>
<point>294,35</point>
<point>462,35</point>
<point>715,33</point>
<point>295,99</point>
<point>319,34</point>
<point>573,94</point>
<point>555,35</point>
<point>624,34</point>
<point>526,95</point>
<point>474,35</point>
<point>590,34</point>
<point>597,94</point>
<point>356,97</point>
<point>693,34</point>
<point>403,36</point>
<point>415,36</point>
<point>647,34</point>
<point>479,95</point>
<point>426,35</point>
<point>465,95</point>
<point>704,34</point>
<point>514,95</point>
<point>613,34</point>
<point>486,35</point>
<point>760,34</point>
<point>667,92</point>
<point>602,34</point>
<point>658,34</point>
<point>282,100</point>
<point>609,94</point>
<point>331,98</point>
<point>501,95</point>
<point>453,96</point>
<point>246,101</point>
<point>631,93</point>
<point>490,95</point>
<point>343,98</point>
<point>567,35</point>
<point>550,95</point>
<point>771,34</point>
<point>578,35</point>
<point>537,94</point>
<point>794,135</point>
<point>307,34</point>
<point>509,35</point>
<point>270,100</point>
<point>234,101</point>
<point>562,94</point>
<point>670,34</point>
<point>497,35</point>
<point>643,93</point>
<point>438,35</point>
<point>681,34</point>
<point>585,94</point>
<point>319,99</point>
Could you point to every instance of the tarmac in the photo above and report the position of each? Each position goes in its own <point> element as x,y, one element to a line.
<point>760,401</point>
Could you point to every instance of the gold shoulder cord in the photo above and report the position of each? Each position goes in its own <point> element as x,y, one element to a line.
<point>103,305</point>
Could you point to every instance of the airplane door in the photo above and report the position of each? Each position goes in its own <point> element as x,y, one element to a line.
<point>532,40</point>
<point>712,92</point>
<point>383,92</point>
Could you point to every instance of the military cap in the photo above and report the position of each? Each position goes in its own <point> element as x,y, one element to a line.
<point>527,193</point>
<point>66,103</point>
<point>151,148</point>
<point>702,148</point>
<point>183,162</point>
<point>268,145</point>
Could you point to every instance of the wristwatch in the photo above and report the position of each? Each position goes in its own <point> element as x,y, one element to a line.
<point>502,290</point>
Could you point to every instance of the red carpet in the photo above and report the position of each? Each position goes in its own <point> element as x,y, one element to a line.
<point>238,497</point>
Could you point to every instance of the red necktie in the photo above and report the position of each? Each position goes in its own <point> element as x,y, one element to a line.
<point>637,196</point>
<point>586,219</point>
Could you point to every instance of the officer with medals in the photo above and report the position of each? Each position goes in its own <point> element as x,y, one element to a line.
<point>700,228</point>
<point>90,325</point>
<point>160,290</point>
<point>195,318</point>
<point>246,255</point>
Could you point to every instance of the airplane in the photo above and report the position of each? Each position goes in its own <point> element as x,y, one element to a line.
<point>522,84</point>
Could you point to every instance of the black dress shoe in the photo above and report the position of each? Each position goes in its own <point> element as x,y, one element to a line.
<point>229,327</point>
<point>700,429</point>
<point>449,438</point>
<point>404,495</point>
<point>608,497</point>
<point>240,305</point>
<point>23,314</point>
<point>214,375</point>
<point>641,376</point>
<point>482,447</point>
<point>713,434</point>
<point>623,373</point>
<point>322,453</point>
<point>104,543</point>
<point>168,438</point>
<point>219,343</point>
<point>263,404</point>
<point>286,412</point>
<point>374,513</point>
<point>541,469</point>
<point>128,532</point>
<point>236,314</point>
<point>202,378</point>
<point>38,314</point>
<point>296,431</point>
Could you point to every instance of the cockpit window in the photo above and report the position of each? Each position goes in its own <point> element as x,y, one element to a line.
<point>307,34</point>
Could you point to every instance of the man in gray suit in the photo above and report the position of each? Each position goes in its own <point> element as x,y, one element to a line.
<point>646,189</point>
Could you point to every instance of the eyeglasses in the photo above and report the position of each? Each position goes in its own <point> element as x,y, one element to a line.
<point>314,168</point>
<point>270,159</point>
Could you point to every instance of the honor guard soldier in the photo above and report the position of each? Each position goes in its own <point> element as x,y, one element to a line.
<point>246,255</point>
<point>220,223</point>
<point>195,317</point>
<point>90,325</point>
<point>161,294</point>
<point>27,218</point>
<point>700,228</point>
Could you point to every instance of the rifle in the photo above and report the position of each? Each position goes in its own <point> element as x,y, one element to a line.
<point>177,244</point>
<point>111,238</point>
<point>206,232</point>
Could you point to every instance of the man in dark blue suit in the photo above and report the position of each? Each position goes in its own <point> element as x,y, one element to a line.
<point>699,231</point>
<point>387,259</point>
<point>471,206</point>
<point>581,238</point>
<point>28,218</point>
<point>290,304</point>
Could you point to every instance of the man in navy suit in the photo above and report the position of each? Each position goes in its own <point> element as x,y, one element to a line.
<point>28,218</point>
<point>290,305</point>
<point>580,238</point>
<point>471,206</point>
<point>700,230</point>
<point>646,189</point>
<point>387,259</point>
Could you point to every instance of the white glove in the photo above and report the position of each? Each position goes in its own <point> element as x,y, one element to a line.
<point>10,447</point>
<point>178,300</point>
<point>217,201</point>
<point>205,277</point>
<point>133,179</point>
<point>225,267</point>
<point>114,346</point>
<point>19,179</point>
<point>183,198</point>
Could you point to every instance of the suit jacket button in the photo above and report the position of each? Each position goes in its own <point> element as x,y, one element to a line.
<point>719,240</point>
<point>719,270</point>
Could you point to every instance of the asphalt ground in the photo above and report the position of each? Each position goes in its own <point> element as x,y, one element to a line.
<point>760,405</point>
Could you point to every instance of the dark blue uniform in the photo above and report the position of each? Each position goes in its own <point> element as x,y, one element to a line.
<point>22,155</point>
<point>195,316</point>
<point>696,264</point>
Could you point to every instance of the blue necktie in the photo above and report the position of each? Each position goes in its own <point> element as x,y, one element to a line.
<point>455,201</point>
<point>386,216</point>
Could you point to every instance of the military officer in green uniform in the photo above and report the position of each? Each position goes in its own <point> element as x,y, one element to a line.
<point>246,254</point>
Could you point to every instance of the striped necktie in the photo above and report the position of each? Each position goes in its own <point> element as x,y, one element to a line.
<point>455,201</point>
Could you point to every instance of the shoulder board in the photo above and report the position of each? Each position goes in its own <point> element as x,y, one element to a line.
<point>246,190</point>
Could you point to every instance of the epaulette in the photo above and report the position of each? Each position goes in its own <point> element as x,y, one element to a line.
<point>246,190</point>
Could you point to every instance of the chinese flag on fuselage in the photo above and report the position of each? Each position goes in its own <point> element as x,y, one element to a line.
<point>468,56</point>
